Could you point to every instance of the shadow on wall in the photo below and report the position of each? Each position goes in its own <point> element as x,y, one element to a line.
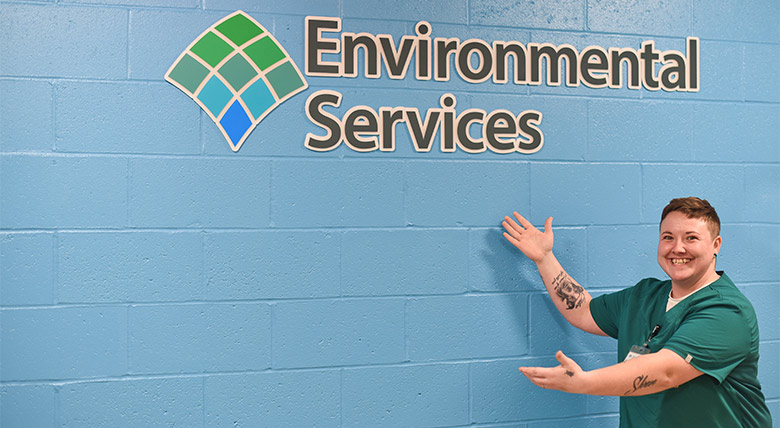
<point>509,270</point>
<point>499,392</point>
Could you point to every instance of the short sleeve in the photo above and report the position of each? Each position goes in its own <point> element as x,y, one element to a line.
<point>714,339</point>
<point>607,309</point>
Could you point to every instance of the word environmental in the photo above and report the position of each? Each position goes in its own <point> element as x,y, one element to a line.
<point>475,61</point>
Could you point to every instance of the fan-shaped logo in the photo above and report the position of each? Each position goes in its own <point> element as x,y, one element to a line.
<point>237,72</point>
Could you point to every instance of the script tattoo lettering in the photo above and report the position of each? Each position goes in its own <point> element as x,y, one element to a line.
<point>569,373</point>
<point>641,382</point>
<point>568,291</point>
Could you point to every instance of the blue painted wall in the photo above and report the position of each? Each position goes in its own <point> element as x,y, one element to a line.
<point>151,277</point>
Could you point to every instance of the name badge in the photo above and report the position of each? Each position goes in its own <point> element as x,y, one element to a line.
<point>637,351</point>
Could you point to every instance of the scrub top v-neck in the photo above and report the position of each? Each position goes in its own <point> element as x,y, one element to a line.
<point>714,329</point>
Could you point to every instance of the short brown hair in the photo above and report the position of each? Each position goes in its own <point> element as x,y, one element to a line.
<point>694,207</point>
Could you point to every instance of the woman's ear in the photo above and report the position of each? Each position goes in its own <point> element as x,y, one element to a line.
<point>716,245</point>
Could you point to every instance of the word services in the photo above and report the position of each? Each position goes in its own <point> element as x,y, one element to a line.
<point>475,61</point>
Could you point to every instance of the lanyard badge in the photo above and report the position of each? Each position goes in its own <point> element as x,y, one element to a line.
<point>638,351</point>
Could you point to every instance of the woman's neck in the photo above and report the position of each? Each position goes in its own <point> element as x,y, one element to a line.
<point>682,290</point>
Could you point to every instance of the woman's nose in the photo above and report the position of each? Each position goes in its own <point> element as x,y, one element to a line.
<point>679,247</point>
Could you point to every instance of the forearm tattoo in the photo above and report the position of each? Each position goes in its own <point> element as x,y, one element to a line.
<point>639,383</point>
<point>568,291</point>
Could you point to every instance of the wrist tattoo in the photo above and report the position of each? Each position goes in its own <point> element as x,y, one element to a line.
<point>568,291</point>
<point>639,383</point>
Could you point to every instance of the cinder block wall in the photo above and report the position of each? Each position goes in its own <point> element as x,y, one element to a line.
<point>149,276</point>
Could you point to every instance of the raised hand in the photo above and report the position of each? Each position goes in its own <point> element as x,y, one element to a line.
<point>534,243</point>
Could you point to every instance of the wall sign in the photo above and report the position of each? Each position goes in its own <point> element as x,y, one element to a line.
<point>238,73</point>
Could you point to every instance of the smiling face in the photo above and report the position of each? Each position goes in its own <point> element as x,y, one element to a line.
<point>686,251</point>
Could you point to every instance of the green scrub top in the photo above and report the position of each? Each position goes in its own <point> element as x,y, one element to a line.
<point>715,329</point>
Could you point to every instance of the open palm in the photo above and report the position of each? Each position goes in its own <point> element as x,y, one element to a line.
<point>534,243</point>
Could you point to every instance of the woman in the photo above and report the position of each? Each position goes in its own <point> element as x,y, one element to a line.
<point>687,346</point>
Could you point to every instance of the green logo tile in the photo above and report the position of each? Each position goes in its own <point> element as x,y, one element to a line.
<point>189,73</point>
<point>212,49</point>
<point>239,29</point>
<point>264,52</point>
<point>284,79</point>
<point>237,72</point>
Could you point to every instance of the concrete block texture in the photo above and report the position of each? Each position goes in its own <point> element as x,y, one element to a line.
<point>124,118</point>
<point>567,15</point>
<point>639,136</point>
<point>151,276</point>
<point>131,403</point>
<point>338,333</point>
<point>750,253</point>
<point>423,395</point>
<point>499,393</point>
<point>68,47</point>
<point>594,193</point>
<point>549,332</point>
<point>62,192</point>
<point>63,343</point>
<point>722,185</point>
<point>496,265</point>
<point>769,363</point>
<point>27,405</point>
<point>774,408</point>
<point>296,7</point>
<point>271,264</point>
<point>308,193</point>
<point>118,267</point>
<point>168,192</point>
<point>464,193</point>
<point>462,327</point>
<point>765,299</point>
<point>439,10</point>
<point>199,338</point>
<point>634,255</point>
<point>308,398</point>
<point>762,185</point>
<point>753,20</point>
<point>404,262</point>
<point>660,18</point>
<point>734,132</point>
<point>26,269</point>
<point>759,84</point>
<point>26,102</point>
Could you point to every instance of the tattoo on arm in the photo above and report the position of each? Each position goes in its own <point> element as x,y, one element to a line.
<point>568,291</point>
<point>639,383</point>
<point>569,373</point>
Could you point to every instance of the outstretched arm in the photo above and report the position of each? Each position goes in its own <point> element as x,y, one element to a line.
<point>569,297</point>
<point>642,375</point>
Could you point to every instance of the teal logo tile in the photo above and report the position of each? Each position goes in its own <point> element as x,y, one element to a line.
<point>238,73</point>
